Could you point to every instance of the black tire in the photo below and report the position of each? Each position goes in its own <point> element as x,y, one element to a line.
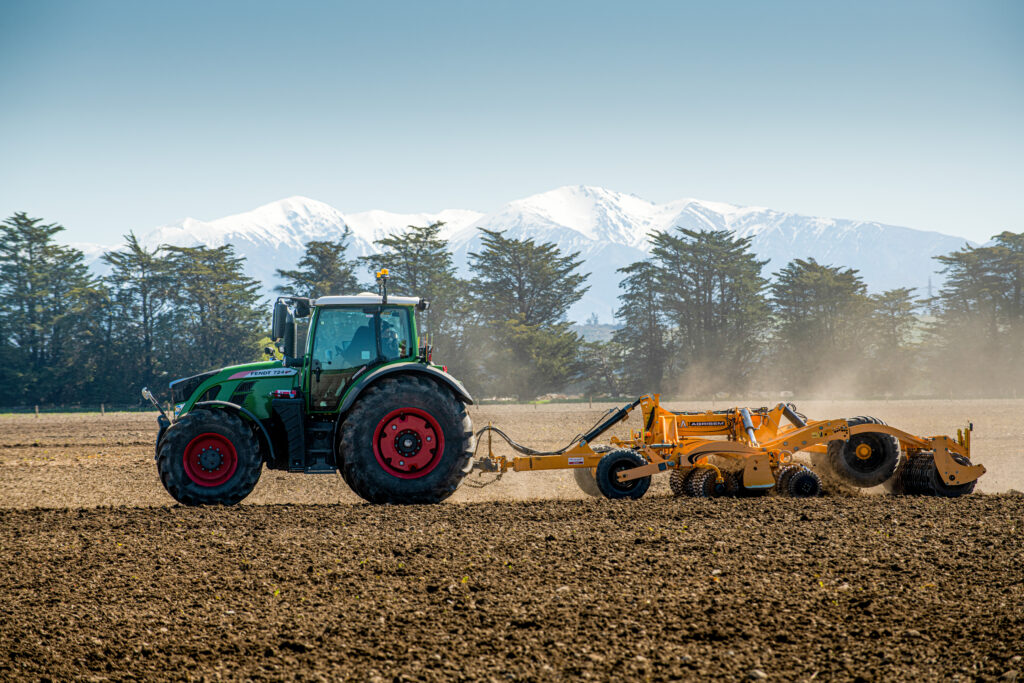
<point>428,411</point>
<point>803,483</point>
<point>914,477</point>
<point>944,490</point>
<point>876,468</point>
<point>732,483</point>
<point>584,477</point>
<point>677,482</point>
<point>782,478</point>
<point>703,483</point>
<point>608,470</point>
<point>209,457</point>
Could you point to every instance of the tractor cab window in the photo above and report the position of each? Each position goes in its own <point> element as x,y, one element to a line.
<point>394,333</point>
<point>344,338</point>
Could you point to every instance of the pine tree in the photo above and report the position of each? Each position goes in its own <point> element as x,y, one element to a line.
<point>520,296</point>
<point>322,271</point>
<point>420,264</point>
<point>713,296</point>
<point>644,332</point>
<point>217,316</point>
<point>139,283</point>
<point>822,314</point>
<point>978,338</point>
<point>522,279</point>
<point>46,293</point>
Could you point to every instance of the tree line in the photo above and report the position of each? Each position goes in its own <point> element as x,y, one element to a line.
<point>699,317</point>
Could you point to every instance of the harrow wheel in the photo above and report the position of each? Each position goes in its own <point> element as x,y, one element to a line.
<point>677,482</point>
<point>732,483</point>
<point>782,478</point>
<point>919,477</point>
<point>584,477</point>
<point>702,483</point>
<point>607,475</point>
<point>803,483</point>
<point>944,490</point>
<point>866,459</point>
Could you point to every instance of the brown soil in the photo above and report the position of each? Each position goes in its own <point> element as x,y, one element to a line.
<point>495,586</point>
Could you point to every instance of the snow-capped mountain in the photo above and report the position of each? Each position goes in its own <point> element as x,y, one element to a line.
<point>274,235</point>
<point>609,229</point>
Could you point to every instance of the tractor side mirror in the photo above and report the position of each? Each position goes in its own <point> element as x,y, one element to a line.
<point>302,308</point>
<point>279,321</point>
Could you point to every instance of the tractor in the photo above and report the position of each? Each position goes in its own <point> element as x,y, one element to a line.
<point>363,399</point>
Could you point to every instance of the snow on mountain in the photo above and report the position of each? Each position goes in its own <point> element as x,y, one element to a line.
<point>609,229</point>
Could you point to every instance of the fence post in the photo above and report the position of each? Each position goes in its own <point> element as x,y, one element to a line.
<point>103,409</point>
<point>37,411</point>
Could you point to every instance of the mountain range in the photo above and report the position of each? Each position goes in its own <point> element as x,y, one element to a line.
<point>609,229</point>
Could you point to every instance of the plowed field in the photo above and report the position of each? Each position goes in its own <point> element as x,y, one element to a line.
<point>102,577</point>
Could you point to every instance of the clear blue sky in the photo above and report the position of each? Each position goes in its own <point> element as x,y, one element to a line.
<point>127,115</point>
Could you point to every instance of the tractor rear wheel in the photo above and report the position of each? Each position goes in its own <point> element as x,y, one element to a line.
<point>866,459</point>
<point>209,457</point>
<point>607,475</point>
<point>406,441</point>
<point>584,477</point>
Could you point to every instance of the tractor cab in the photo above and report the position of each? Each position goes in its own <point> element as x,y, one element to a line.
<point>348,335</point>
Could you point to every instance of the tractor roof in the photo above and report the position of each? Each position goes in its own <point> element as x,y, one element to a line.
<point>365,300</point>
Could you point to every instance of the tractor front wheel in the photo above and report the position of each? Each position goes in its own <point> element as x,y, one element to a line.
<point>407,440</point>
<point>209,457</point>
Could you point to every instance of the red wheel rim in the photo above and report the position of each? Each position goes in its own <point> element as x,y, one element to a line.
<point>210,459</point>
<point>408,443</point>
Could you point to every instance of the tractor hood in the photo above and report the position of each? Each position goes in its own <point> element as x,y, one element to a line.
<point>246,385</point>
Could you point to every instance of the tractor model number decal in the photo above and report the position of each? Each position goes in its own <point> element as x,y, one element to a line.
<point>705,424</point>
<point>575,460</point>
<point>256,374</point>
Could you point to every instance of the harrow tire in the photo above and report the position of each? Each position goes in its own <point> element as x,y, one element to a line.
<point>803,483</point>
<point>677,482</point>
<point>608,470</point>
<point>703,483</point>
<point>877,467</point>
<point>367,453</point>
<point>585,479</point>
<point>944,490</point>
<point>782,478</point>
<point>732,483</point>
<point>209,457</point>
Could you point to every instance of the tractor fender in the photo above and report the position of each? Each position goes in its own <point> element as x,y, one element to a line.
<point>247,414</point>
<point>439,376</point>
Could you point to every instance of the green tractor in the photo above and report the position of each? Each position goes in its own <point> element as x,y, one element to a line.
<point>364,400</point>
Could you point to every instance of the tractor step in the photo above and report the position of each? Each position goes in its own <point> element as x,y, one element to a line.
<point>319,451</point>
